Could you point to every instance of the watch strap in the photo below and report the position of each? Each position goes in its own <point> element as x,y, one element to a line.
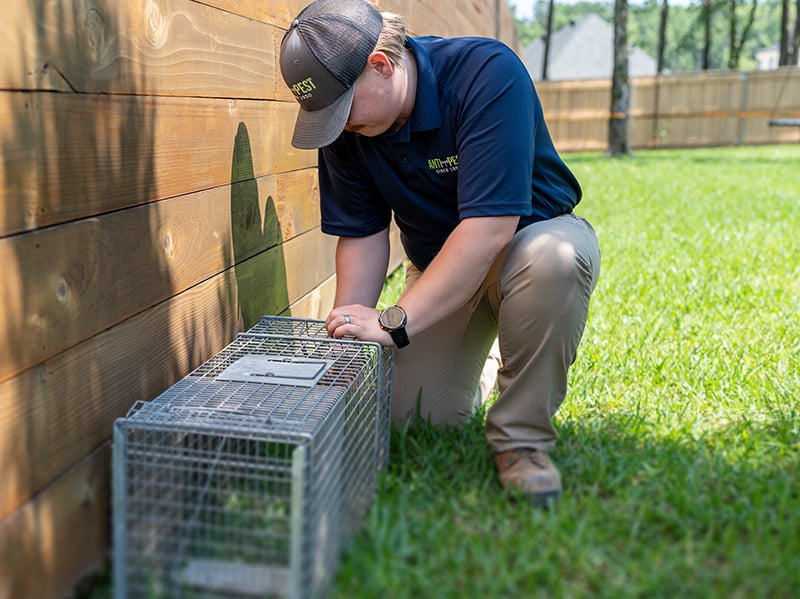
<point>400,337</point>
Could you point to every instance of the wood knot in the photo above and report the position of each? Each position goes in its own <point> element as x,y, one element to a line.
<point>168,244</point>
<point>155,24</point>
<point>96,31</point>
<point>62,290</point>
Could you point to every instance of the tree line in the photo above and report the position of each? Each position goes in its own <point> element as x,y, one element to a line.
<point>704,35</point>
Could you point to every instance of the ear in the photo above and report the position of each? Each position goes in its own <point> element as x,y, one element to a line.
<point>380,62</point>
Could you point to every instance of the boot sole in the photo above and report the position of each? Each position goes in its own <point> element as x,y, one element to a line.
<point>538,500</point>
<point>545,500</point>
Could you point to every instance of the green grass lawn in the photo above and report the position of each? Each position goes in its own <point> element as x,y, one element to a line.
<point>680,437</point>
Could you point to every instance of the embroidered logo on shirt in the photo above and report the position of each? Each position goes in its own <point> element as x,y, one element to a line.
<point>440,166</point>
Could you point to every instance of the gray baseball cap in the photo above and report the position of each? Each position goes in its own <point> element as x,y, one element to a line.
<point>322,54</point>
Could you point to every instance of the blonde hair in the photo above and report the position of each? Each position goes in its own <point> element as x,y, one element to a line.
<point>392,40</point>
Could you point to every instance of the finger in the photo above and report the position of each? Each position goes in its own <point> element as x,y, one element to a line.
<point>332,324</point>
<point>344,329</point>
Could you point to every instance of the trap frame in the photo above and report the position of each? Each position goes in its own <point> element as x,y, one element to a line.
<point>248,476</point>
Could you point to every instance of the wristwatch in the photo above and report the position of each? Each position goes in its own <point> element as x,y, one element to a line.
<point>393,320</point>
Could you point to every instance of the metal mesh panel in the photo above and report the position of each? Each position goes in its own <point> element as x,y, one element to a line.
<point>299,327</point>
<point>247,477</point>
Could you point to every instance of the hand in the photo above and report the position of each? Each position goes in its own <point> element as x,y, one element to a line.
<point>358,322</point>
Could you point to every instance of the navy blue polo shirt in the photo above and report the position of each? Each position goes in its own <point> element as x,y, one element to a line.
<point>475,144</point>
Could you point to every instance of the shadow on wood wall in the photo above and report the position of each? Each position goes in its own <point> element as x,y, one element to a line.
<point>257,241</point>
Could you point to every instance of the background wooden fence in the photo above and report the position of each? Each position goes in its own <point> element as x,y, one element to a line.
<point>677,111</point>
<point>151,207</point>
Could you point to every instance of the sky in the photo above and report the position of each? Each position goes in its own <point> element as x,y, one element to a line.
<point>524,8</point>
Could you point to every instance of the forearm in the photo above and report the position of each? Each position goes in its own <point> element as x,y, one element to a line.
<point>446,285</point>
<point>457,271</point>
<point>361,264</point>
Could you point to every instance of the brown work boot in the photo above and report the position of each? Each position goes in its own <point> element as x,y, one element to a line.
<point>528,472</point>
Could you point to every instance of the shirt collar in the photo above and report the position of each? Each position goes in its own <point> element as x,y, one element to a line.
<point>426,114</point>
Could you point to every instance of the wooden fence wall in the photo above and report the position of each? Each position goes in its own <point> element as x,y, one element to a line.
<point>151,206</point>
<point>677,111</point>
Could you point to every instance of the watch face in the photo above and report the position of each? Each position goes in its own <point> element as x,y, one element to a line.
<point>393,317</point>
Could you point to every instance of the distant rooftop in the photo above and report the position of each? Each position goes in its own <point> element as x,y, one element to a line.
<point>584,49</point>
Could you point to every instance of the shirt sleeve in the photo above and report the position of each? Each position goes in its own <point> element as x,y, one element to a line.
<point>350,205</point>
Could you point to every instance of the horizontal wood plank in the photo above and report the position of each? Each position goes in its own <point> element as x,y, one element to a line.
<point>67,157</point>
<point>164,47</point>
<point>317,303</point>
<point>51,542</point>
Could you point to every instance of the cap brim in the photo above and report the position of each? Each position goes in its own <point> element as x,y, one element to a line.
<point>319,128</point>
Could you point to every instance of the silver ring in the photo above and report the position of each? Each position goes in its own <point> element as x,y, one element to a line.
<point>347,319</point>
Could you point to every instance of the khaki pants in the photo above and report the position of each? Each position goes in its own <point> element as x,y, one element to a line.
<point>534,302</point>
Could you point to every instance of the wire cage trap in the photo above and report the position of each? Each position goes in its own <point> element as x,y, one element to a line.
<point>247,477</point>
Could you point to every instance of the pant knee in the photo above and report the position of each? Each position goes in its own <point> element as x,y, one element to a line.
<point>554,262</point>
